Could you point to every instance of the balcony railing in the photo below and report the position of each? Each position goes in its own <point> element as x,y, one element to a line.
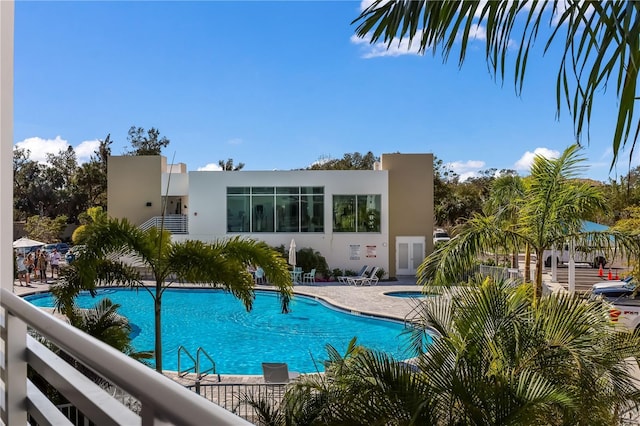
<point>161,401</point>
<point>174,223</point>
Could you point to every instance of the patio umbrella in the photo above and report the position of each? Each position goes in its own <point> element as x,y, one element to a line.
<point>292,253</point>
<point>25,242</point>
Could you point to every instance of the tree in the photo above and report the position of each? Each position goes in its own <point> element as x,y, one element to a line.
<point>599,42</point>
<point>350,161</point>
<point>498,359</point>
<point>45,229</point>
<point>109,243</point>
<point>550,213</point>
<point>92,176</point>
<point>149,144</point>
<point>105,324</point>
<point>32,191</point>
<point>229,166</point>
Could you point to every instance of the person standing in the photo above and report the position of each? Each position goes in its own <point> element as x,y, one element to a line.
<point>41,266</point>
<point>22,269</point>
<point>55,263</point>
<point>30,266</point>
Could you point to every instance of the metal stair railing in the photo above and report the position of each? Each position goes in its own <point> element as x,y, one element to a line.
<point>196,366</point>
<point>199,372</point>
<point>174,223</point>
<point>183,372</point>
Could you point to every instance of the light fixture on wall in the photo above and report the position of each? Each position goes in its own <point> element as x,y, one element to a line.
<point>149,204</point>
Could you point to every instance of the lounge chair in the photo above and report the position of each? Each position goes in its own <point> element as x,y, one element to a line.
<point>371,279</point>
<point>363,273</point>
<point>277,372</point>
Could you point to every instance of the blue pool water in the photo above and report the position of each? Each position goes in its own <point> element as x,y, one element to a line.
<point>408,294</point>
<point>240,341</point>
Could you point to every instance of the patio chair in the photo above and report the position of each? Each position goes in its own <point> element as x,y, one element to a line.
<point>277,372</point>
<point>309,277</point>
<point>259,276</point>
<point>363,273</point>
<point>371,279</point>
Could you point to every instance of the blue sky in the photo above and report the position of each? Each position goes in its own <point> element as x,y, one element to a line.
<point>275,85</point>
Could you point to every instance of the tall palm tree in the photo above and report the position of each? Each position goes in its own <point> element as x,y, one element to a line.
<point>487,355</point>
<point>506,195</point>
<point>115,250</point>
<point>598,40</point>
<point>552,211</point>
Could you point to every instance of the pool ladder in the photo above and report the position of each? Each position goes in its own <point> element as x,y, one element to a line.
<point>196,363</point>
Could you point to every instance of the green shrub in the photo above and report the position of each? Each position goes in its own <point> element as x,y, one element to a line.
<point>309,259</point>
<point>337,272</point>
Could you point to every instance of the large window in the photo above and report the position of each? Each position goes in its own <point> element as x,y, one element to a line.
<point>275,209</point>
<point>356,213</point>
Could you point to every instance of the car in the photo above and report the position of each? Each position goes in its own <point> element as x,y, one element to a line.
<point>49,247</point>
<point>440,235</point>
<point>62,248</point>
<point>73,252</point>
<point>614,288</point>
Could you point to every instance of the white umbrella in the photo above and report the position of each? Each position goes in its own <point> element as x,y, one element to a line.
<point>292,253</point>
<point>25,242</point>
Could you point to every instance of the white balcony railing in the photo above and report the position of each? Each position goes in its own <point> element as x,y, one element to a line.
<point>161,400</point>
<point>174,223</point>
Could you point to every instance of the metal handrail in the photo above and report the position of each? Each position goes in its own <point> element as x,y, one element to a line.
<point>194,368</point>
<point>199,372</point>
<point>153,390</point>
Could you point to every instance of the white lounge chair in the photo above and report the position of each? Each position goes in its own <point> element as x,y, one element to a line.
<point>371,279</point>
<point>363,273</point>
<point>277,372</point>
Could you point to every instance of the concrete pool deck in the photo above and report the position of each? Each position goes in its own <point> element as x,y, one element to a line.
<point>367,300</point>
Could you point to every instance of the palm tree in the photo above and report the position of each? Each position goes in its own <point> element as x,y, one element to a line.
<point>552,210</point>
<point>105,324</point>
<point>599,41</point>
<point>505,198</point>
<point>487,355</point>
<point>115,250</point>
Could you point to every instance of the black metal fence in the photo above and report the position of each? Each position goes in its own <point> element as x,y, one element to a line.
<point>234,397</point>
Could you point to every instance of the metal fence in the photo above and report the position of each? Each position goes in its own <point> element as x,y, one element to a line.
<point>235,396</point>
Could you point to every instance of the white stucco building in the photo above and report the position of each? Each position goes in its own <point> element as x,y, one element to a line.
<point>381,217</point>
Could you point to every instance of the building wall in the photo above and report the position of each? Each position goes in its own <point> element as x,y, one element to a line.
<point>410,198</point>
<point>132,183</point>
<point>208,212</point>
<point>404,181</point>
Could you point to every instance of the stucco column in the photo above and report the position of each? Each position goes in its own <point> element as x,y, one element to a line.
<point>14,375</point>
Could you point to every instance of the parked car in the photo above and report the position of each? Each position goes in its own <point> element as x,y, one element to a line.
<point>614,288</point>
<point>440,235</point>
<point>625,310</point>
<point>591,256</point>
<point>62,248</point>
<point>73,252</point>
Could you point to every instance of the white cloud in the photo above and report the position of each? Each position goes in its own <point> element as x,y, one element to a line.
<point>211,167</point>
<point>85,150</point>
<point>380,49</point>
<point>235,141</point>
<point>524,163</point>
<point>39,148</point>
<point>466,169</point>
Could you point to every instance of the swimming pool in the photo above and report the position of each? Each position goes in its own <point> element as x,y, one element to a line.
<point>240,341</point>
<point>409,294</point>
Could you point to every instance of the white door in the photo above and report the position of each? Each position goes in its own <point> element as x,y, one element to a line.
<point>410,252</point>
